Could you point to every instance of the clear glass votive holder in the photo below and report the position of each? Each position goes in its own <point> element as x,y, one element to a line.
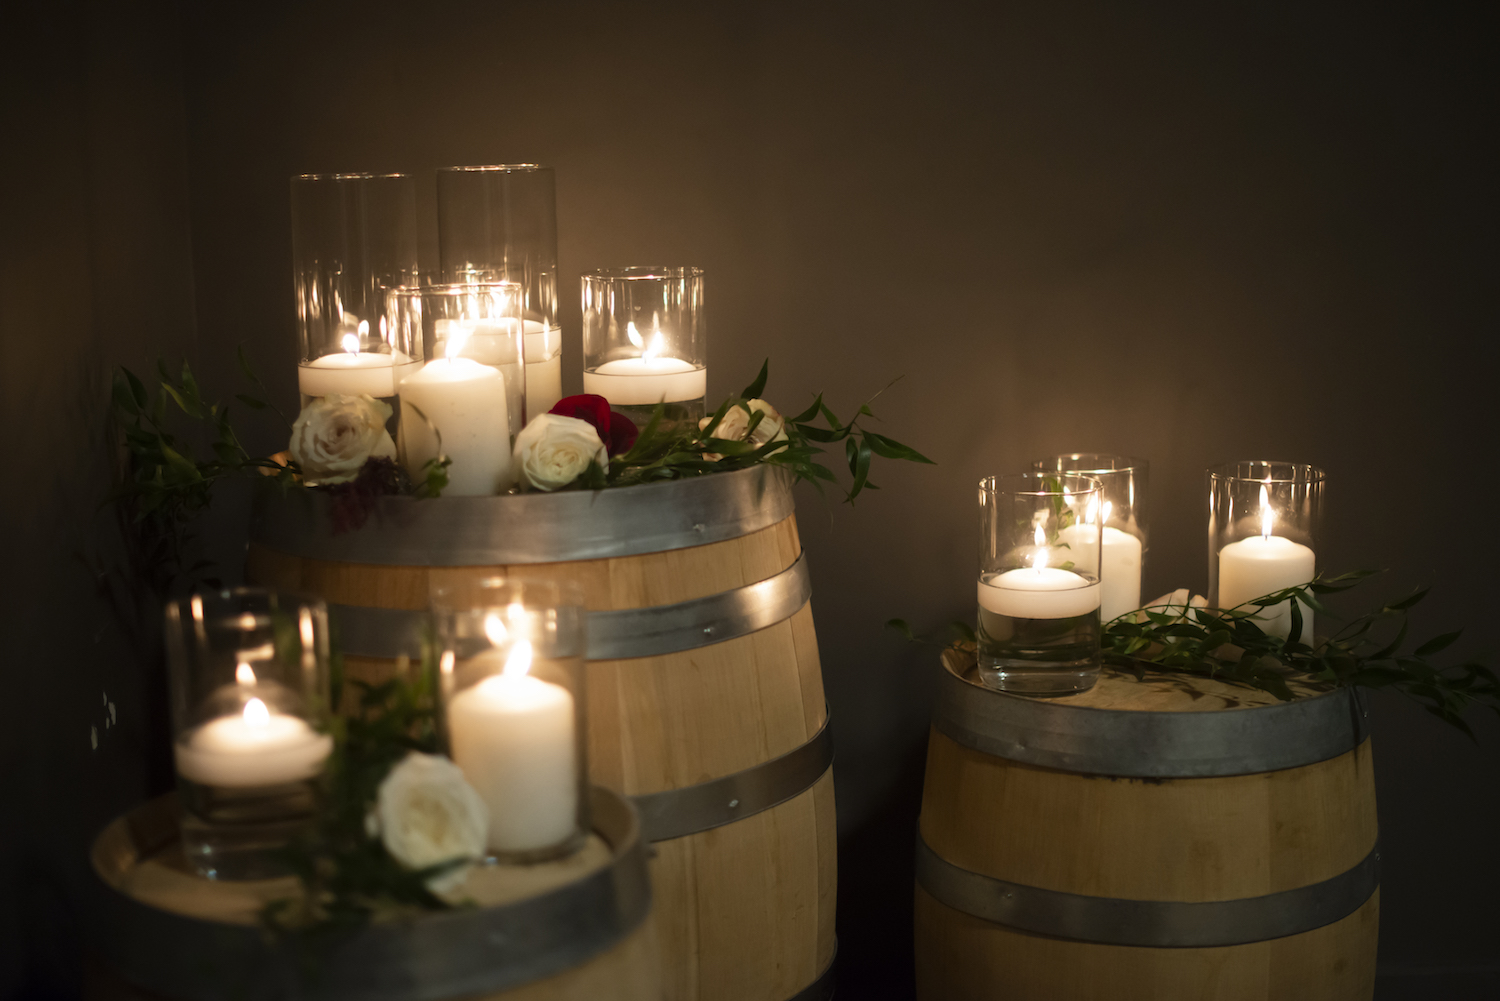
<point>468,402</point>
<point>511,678</point>
<point>499,223</point>
<point>354,238</point>
<point>1264,521</point>
<point>249,682</point>
<point>1039,593</point>
<point>645,342</point>
<point>1123,482</point>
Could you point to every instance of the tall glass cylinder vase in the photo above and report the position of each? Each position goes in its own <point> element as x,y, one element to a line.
<point>511,678</point>
<point>465,404</point>
<point>354,239</point>
<point>1123,484</point>
<point>1039,593</point>
<point>499,223</point>
<point>645,341</point>
<point>1264,523</point>
<point>248,671</point>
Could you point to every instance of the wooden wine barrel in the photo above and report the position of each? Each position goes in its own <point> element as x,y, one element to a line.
<point>1172,839</point>
<point>705,700</point>
<point>573,930</point>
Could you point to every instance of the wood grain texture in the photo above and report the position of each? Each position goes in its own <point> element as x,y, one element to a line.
<point>746,911</point>
<point>1149,839</point>
<point>962,958</point>
<point>1189,840</point>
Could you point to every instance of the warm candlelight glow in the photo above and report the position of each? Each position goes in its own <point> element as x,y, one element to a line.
<point>1039,562</point>
<point>1109,507</point>
<point>1092,515</point>
<point>495,629</point>
<point>256,713</point>
<point>1267,516</point>
<point>244,675</point>
<point>518,663</point>
<point>634,335</point>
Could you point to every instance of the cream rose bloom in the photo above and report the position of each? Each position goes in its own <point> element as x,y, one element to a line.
<point>553,450</point>
<point>334,435</point>
<point>427,813</point>
<point>772,426</point>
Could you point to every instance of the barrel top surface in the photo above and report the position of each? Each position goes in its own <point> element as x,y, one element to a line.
<point>1165,726</point>
<point>1156,691</point>
<point>183,936</point>
<point>531,527</point>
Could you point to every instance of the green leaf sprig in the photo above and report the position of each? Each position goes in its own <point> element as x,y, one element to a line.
<point>162,485</point>
<point>683,452</point>
<point>1230,645</point>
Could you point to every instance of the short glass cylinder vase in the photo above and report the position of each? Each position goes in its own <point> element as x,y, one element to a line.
<point>466,403</point>
<point>645,342</point>
<point>499,223</point>
<point>1123,483</point>
<point>249,687</point>
<point>1039,593</point>
<point>511,678</point>
<point>354,238</point>
<point>1264,522</point>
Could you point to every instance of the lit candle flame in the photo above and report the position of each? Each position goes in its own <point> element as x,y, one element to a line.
<point>1040,560</point>
<point>1109,506</point>
<point>634,335</point>
<point>244,674</point>
<point>1092,515</point>
<point>518,663</point>
<point>458,336</point>
<point>1267,516</point>
<point>654,349</point>
<point>256,713</point>
<point>351,343</point>
<point>364,329</point>
<point>495,629</point>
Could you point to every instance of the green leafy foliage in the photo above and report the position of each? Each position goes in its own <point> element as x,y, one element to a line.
<point>1228,644</point>
<point>678,452</point>
<point>163,483</point>
<point>346,874</point>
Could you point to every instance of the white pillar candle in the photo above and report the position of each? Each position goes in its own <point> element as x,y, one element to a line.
<point>465,401</point>
<point>543,368</point>
<point>1119,569</point>
<point>256,748</point>
<point>628,382</point>
<point>513,736</point>
<point>1261,564</point>
<point>353,372</point>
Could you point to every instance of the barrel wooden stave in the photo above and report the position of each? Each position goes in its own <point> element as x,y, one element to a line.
<point>746,910</point>
<point>1198,839</point>
<point>751,933</point>
<point>964,958</point>
<point>1191,840</point>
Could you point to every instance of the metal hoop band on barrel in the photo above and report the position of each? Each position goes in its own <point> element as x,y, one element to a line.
<point>530,528</point>
<point>675,813</point>
<point>822,988</point>
<point>1157,923</point>
<point>1143,744</point>
<point>613,635</point>
<point>451,954</point>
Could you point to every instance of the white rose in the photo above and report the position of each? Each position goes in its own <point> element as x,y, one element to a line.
<point>426,813</point>
<point>553,450</point>
<point>334,435</point>
<point>736,421</point>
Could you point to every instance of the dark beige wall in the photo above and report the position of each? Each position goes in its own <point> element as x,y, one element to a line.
<point>1185,232</point>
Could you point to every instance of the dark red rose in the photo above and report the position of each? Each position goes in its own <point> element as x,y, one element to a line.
<point>617,431</point>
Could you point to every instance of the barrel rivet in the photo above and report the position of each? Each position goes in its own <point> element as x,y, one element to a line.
<point>733,803</point>
<point>700,527</point>
<point>708,630</point>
